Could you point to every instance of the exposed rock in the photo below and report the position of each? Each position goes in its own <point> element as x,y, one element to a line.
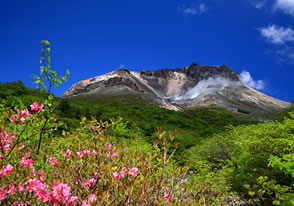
<point>176,89</point>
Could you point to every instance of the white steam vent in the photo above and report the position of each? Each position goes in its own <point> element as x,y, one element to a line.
<point>209,86</point>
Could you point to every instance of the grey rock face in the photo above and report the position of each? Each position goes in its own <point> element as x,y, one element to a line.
<point>190,86</point>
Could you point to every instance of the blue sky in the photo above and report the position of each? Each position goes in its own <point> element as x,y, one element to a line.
<point>93,37</point>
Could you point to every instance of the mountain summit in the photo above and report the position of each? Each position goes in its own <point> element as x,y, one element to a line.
<point>176,89</point>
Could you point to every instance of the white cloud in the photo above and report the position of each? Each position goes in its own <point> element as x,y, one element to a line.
<point>277,35</point>
<point>283,42</point>
<point>247,79</point>
<point>193,10</point>
<point>287,6</point>
<point>258,3</point>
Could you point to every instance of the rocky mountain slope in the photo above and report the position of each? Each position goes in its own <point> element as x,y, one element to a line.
<point>176,89</point>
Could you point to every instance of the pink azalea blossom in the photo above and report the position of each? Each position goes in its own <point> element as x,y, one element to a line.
<point>42,175</point>
<point>168,196</point>
<point>53,161</point>
<point>21,120</point>
<point>86,152</point>
<point>25,113</point>
<point>41,108</point>
<point>126,149</point>
<point>94,152</point>
<point>61,191</point>
<point>20,187</point>
<point>17,203</point>
<point>92,198</point>
<point>81,155</point>
<point>26,162</point>
<point>11,189</point>
<point>108,154</point>
<point>68,153</point>
<point>108,145</point>
<point>95,174</point>
<point>133,171</point>
<point>115,154</point>
<point>34,173</point>
<point>89,182</point>
<point>115,175</point>
<point>72,200</point>
<point>5,139</point>
<point>1,157</point>
<point>7,170</point>
<point>76,181</point>
<point>13,118</point>
<point>123,172</point>
<point>85,203</point>
<point>2,194</point>
<point>34,107</point>
<point>114,149</point>
<point>21,147</point>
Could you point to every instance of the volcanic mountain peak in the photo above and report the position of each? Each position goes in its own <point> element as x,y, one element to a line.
<point>180,88</point>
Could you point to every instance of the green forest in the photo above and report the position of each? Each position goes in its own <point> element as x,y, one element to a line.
<point>229,157</point>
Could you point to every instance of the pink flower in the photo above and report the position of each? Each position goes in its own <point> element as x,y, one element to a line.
<point>7,170</point>
<point>26,162</point>
<point>13,118</point>
<point>53,161</point>
<point>34,173</point>
<point>92,198</point>
<point>133,171</point>
<point>95,174</point>
<point>115,154</point>
<point>61,191</point>
<point>41,108</point>
<point>21,147</point>
<point>2,194</point>
<point>72,200</point>
<point>126,149</point>
<point>34,106</point>
<point>86,152</point>
<point>108,145</point>
<point>89,182</point>
<point>1,157</point>
<point>123,172</point>
<point>21,120</point>
<point>114,150</point>
<point>93,127</point>
<point>5,139</point>
<point>85,203</point>
<point>20,187</point>
<point>115,175</point>
<point>168,196</point>
<point>25,113</point>
<point>11,189</point>
<point>34,185</point>
<point>42,175</point>
<point>108,154</point>
<point>81,155</point>
<point>76,181</point>
<point>68,153</point>
<point>94,152</point>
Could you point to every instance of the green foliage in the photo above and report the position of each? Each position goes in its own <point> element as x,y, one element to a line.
<point>46,72</point>
<point>245,154</point>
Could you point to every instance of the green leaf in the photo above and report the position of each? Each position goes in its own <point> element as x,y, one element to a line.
<point>59,81</point>
<point>46,42</point>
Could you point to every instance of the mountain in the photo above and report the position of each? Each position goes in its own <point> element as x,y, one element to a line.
<point>176,89</point>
